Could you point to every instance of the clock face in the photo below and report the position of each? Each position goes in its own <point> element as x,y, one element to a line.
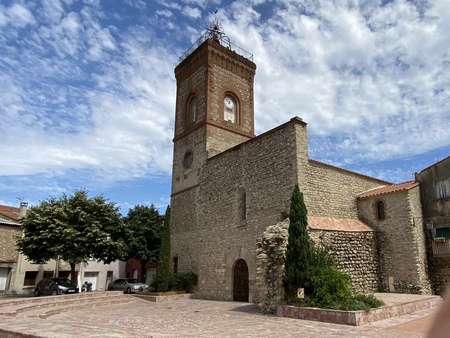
<point>229,103</point>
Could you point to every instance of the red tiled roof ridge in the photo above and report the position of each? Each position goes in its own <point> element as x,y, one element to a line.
<point>337,224</point>
<point>10,212</point>
<point>387,189</point>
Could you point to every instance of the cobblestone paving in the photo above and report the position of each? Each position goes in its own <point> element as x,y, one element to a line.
<point>199,318</point>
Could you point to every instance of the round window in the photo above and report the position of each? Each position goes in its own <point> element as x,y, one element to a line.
<point>187,160</point>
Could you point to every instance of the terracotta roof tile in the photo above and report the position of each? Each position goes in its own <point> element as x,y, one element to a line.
<point>8,221</point>
<point>10,212</point>
<point>337,224</point>
<point>388,189</point>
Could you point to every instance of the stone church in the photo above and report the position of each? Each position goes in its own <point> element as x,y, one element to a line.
<point>230,185</point>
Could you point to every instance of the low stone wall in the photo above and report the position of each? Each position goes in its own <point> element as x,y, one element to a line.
<point>164,298</point>
<point>13,334</point>
<point>357,318</point>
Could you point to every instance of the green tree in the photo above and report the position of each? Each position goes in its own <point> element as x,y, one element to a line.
<point>143,227</point>
<point>72,228</point>
<point>162,281</point>
<point>300,249</point>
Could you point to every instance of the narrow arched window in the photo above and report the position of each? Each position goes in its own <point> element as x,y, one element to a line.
<point>230,109</point>
<point>242,204</point>
<point>192,109</point>
<point>381,213</point>
<point>175,264</point>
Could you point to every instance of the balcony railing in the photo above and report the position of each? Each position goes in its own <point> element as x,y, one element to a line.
<point>441,247</point>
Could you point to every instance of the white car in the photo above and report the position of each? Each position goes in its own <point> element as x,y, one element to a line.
<point>128,285</point>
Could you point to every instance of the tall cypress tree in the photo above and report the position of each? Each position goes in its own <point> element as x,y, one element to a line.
<point>164,275</point>
<point>300,249</point>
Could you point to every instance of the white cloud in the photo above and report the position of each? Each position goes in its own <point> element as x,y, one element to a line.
<point>374,77</point>
<point>164,12</point>
<point>192,12</point>
<point>119,126</point>
<point>202,3</point>
<point>372,82</point>
<point>15,15</point>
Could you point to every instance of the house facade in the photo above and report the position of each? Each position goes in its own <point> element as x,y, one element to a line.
<point>229,186</point>
<point>9,230</point>
<point>435,194</point>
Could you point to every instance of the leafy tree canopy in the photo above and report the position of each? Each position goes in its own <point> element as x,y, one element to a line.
<point>72,228</point>
<point>143,227</point>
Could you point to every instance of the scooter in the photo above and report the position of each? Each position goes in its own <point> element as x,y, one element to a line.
<point>86,287</point>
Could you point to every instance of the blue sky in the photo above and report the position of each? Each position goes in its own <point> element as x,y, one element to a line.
<point>87,95</point>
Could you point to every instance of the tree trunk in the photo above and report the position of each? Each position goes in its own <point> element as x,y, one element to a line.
<point>143,271</point>
<point>56,273</point>
<point>73,278</point>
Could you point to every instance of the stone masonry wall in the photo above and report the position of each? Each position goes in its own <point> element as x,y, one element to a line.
<point>401,264</point>
<point>8,250</point>
<point>354,253</point>
<point>436,213</point>
<point>210,236</point>
<point>194,84</point>
<point>222,81</point>
<point>220,140</point>
<point>328,190</point>
<point>332,192</point>
<point>183,178</point>
<point>264,168</point>
<point>418,228</point>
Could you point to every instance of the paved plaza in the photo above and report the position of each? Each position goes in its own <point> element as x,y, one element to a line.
<point>133,317</point>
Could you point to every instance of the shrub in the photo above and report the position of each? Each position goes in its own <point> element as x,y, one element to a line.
<point>185,281</point>
<point>163,282</point>
<point>311,267</point>
<point>331,287</point>
<point>366,302</point>
<point>181,281</point>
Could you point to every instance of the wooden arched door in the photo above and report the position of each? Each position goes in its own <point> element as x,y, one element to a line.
<point>240,281</point>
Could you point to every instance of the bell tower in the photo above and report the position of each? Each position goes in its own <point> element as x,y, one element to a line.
<point>214,104</point>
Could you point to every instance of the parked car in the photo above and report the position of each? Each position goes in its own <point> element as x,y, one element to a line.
<point>128,285</point>
<point>55,286</point>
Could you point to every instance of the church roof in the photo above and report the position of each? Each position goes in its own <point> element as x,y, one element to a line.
<point>337,224</point>
<point>388,189</point>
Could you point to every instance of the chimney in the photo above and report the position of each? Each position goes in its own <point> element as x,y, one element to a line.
<point>23,209</point>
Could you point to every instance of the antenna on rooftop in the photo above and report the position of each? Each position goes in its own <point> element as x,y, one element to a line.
<point>215,31</point>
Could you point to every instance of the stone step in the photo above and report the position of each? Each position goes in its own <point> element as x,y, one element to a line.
<point>28,300</point>
<point>53,312</point>
<point>58,302</point>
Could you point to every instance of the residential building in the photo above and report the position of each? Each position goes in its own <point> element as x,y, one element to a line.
<point>435,193</point>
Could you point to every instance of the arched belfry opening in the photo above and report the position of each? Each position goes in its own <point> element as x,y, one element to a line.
<point>240,281</point>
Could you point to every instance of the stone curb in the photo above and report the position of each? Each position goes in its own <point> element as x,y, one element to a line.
<point>357,318</point>
<point>154,298</point>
